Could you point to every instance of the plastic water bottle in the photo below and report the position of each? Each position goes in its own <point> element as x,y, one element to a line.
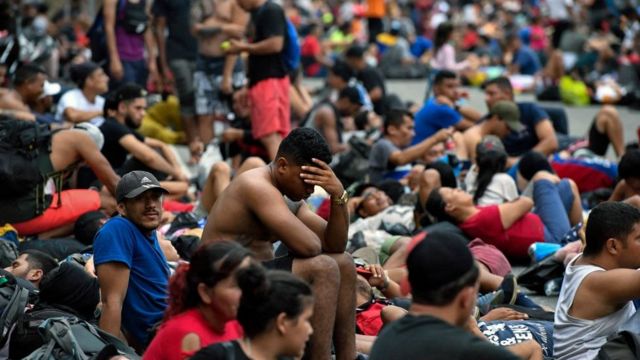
<point>541,250</point>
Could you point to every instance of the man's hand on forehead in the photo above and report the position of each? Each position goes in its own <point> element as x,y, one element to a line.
<point>319,173</point>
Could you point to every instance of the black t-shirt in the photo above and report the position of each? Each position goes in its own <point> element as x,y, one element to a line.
<point>267,21</point>
<point>113,131</point>
<point>421,337</point>
<point>180,43</point>
<point>371,79</point>
<point>224,351</point>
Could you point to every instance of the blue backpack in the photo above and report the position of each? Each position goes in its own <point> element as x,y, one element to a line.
<point>291,51</point>
<point>291,48</point>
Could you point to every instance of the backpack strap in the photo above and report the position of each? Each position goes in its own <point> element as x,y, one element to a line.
<point>229,351</point>
<point>13,312</point>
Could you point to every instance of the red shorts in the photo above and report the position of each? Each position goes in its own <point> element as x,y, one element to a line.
<point>74,204</point>
<point>270,112</point>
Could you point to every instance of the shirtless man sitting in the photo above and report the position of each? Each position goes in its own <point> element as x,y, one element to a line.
<point>254,208</point>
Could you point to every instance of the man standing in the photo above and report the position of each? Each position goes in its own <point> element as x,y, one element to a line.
<point>265,204</point>
<point>268,80</point>
<point>131,267</point>
<point>444,285</point>
<point>177,49</point>
<point>217,73</point>
<point>86,102</point>
<point>128,36</point>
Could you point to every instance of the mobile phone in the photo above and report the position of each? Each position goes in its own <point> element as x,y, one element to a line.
<point>363,272</point>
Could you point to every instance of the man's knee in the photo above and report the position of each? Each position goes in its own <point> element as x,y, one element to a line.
<point>221,168</point>
<point>253,162</point>
<point>345,264</point>
<point>316,268</point>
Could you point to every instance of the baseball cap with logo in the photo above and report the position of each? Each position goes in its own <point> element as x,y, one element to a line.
<point>490,143</point>
<point>135,183</point>
<point>508,111</point>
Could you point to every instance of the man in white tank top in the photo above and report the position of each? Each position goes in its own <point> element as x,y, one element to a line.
<point>599,285</point>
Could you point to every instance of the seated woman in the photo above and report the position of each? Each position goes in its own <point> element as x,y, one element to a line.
<point>511,226</point>
<point>486,180</point>
<point>274,311</point>
<point>203,300</point>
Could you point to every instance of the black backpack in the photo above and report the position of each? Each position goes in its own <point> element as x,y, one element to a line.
<point>24,169</point>
<point>353,165</point>
<point>71,338</point>
<point>134,20</point>
<point>21,144</point>
<point>25,337</point>
<point>15,295</point>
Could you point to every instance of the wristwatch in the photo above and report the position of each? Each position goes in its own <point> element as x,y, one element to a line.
<point>342,199</point>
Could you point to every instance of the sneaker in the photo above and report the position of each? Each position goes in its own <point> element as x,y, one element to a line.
<point>509,287</point>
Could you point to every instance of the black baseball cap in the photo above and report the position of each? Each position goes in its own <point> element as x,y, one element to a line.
<point>439,259</point>
<point>135,183</point>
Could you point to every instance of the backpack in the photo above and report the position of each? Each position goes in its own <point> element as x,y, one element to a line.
<point>8,252</point>
<point>25,337</point>
<point>353,165</point>
<point>15,295</point>
<point>75,339</point>
<point>291,47</point>
<point>134,20</point>
<point>622,346</point>
<point>24,168</point>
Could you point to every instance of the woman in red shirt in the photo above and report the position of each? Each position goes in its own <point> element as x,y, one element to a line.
<point>512,227</point>
<point>203,302</point>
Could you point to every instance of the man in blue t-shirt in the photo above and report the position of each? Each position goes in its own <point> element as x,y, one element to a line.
<point>524,60</point>
<point>537,134</point>
<point>131,267</point>
<point>441,111</point>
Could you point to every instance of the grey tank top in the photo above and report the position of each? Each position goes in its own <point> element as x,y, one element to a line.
<point>293,206</point>
<point>576,338</point>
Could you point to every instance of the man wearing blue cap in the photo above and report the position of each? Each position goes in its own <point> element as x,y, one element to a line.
<point>131,267</point>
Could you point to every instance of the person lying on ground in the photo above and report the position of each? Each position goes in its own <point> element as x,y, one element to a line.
<point>628,188</point>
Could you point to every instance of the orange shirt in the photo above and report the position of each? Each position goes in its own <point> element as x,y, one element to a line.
<point>375,8</point>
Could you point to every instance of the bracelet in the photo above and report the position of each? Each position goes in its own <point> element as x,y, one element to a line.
<point>385,285</point>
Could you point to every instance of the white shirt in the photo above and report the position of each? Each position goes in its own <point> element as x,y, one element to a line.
<point>501,189</point>
<point>75,99</point>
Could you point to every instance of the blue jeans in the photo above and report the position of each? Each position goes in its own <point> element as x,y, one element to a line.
<point>552,204</point>
<point>134,72</point>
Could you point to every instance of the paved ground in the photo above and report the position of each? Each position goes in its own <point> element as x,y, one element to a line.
<point>579,121</point>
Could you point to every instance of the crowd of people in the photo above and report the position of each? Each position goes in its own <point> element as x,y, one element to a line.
<point>339,222</point>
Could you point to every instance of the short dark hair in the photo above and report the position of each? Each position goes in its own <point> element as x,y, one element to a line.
<point>629,166</point>
<point>356,51</point>
<point>502,82</point>
<point>532,162</point>
<point>267,294</point>
<point>435,206</point>
<point>342,70</point>
<point>443,75</point>
<point>447,175</point>
<point>26,73</point>
<point>609,220</point>
<point>40,260</point>
<point>395,117</point>
<point>304,144</point>
<point>352,94</point>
